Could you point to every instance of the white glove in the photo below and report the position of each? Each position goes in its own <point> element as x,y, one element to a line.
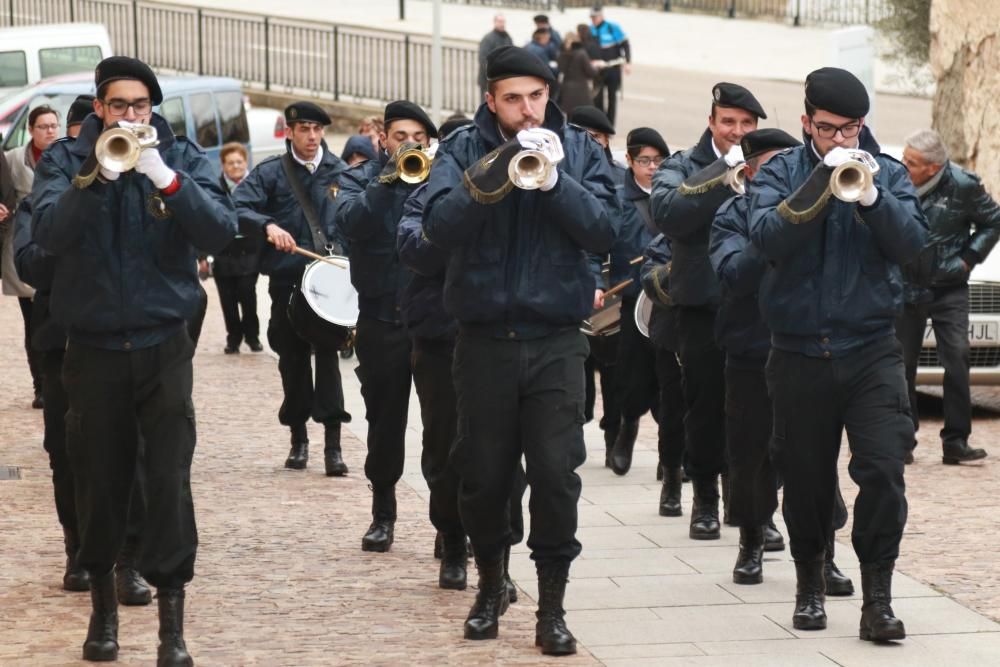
<point>545,141</point>
<point>836,157</point>
<point>551,181</point>
<point>109,175</point>
<point>869,196</point>
<point>151,164</point>
<point>734,157</point>
<point>432,151</point>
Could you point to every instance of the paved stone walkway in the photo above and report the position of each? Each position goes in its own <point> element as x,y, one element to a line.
<point>281,579</point>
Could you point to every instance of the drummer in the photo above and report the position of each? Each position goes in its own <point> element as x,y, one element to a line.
<point>267,202</point>
<point>636,367</point>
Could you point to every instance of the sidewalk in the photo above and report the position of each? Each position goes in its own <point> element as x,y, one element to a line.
<point>281,579</point>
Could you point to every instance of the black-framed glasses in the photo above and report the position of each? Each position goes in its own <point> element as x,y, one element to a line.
<point>120,107</point>
<point>827,131</point>
<point>646,160</point>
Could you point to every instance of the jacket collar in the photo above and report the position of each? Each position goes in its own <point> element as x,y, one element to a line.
<point>328,156</point>
<point>703,153</point>
<point>486,123</point>
<point>632,190</point>
<point>935,181</point>
<point>93,126</point>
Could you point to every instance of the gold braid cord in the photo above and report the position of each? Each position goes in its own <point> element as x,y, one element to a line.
<point>661,294</point>
<point>83,181</point>
<point>387,179</point>
<point>487,197</point>
<point>799,217</point>
<point>686,190</point>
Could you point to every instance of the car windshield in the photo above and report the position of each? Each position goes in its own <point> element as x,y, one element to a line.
<point>17,134</point>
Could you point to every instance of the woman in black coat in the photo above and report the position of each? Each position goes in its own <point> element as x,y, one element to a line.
<point>578,73</point>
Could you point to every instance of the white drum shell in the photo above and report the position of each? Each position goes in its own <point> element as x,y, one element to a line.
<point>329,292</point>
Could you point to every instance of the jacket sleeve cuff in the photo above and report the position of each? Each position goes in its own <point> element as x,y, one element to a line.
<point>971,257</point>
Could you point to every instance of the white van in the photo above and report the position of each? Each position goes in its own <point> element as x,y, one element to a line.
<point>30,53</point>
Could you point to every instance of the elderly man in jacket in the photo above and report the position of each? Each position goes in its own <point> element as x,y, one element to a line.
<point>964,226</point>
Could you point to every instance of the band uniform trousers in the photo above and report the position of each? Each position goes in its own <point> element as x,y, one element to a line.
<point>609,82</point>
<point>383,350</point>
<point>671,409</point>
<point>703,367</point>
<point>236,294</point>
<point>602,359</point>
<point>324,400</point>
<point>637,381</point>
<point>949,315</point>
<point>33,355</point>
<point>752,486</point>
<point>816,399</point>
<point>520,397</point>
<point>117,400</point>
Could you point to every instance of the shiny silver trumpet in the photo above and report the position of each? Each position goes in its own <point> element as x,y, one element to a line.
<point>414,165</point>
<point>735,179</point>
<point>529,169</point>
<point>118,149</point>
<point>851,179</point>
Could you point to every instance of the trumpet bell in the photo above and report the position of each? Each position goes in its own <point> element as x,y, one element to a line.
<point>529,169</point>
<point>736,179</point>
<point>118,149</point>
<point>850,180</point>
<point>414,166</point>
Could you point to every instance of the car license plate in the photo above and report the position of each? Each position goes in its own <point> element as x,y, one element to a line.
<point>980,334</point>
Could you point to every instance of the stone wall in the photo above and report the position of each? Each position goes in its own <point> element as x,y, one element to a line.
<point>965,60</point>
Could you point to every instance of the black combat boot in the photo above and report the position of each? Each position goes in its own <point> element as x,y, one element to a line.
<point>298,455</point>
<point>75,579</point>
<point>491,602</point>
<point>380,533</point>
<point>132,589</point>
<point>172,651</point>
<point>958,451</point>
<point>724,484</point>
<point>878,623</point>
<point>809,595</point>
<point>335,466</point>
<point>837,583</point>
<point>749,562</point>
<point>102,634</point>
<point>705,510</point>
<point>454,561</point>
<point>551,633</point>
<point>621,455</point>
<point>511,588</point>
<point>773,539</point>
<point>670,494</point>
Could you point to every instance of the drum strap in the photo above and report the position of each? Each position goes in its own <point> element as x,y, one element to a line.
<point>642,205</point>
<point>320,242</point>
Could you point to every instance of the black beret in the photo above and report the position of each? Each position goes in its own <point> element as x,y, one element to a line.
<point>647,136</point>
<point>117,68</point>
<point>80,109</point>
<point>452,124</point>
<point>837,91</point>
<point>734,95</point>
<point>306,112</point>
<point>769,139</point>
<point>592,118</point>
<point>404,110</point>
<point>541,18</point>
<point>507,62</point>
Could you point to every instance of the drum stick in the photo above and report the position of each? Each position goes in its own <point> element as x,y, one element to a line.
<point>620,286</point>
<point>312,255</point>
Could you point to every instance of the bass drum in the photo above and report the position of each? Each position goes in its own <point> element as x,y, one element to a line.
<point>643,311</point>
<point>606,320</point>
<point>324,310</point>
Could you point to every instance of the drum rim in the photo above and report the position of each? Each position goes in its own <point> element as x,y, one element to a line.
<point>341,322</point>
<point>640,303</point>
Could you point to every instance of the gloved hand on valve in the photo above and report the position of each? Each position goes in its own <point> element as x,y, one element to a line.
<point>548,144</point>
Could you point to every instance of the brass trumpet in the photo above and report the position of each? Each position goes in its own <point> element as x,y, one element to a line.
<point>413,165</point>
<point>118,149</point>
<point>529,169</point>
<point>851,179</point>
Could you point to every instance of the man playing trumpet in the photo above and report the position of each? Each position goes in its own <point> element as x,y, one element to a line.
<point>829,299</point>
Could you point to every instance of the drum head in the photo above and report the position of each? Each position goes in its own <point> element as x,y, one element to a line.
<point>329,292</point>
<point>643,311</point>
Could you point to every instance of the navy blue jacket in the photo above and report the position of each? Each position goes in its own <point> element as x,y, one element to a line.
<point>37,268</point>
<point>265,197</point>
<point>125,279</point>
<point>631,237</point>
<point>687,221</point>
<point>368,214</point>
<point>663,321</point>
<point>835,281</point>
<point>423,300</point>
<point>739,327</point>
<point>519,268</point>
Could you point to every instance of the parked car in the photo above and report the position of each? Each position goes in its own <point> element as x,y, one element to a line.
<point>208,110</point>
<point>267,131</point>
<point>31,53</point>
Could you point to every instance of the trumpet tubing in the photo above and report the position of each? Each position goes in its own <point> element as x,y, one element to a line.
<point>529,169</point>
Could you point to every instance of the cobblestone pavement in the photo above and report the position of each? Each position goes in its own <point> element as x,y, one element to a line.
<point>281,579</point>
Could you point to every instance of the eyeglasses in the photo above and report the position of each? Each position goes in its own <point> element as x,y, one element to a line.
<point>826,131</point>
<point>646,160</point>
<point>46,128</point>
<point>120,107</point>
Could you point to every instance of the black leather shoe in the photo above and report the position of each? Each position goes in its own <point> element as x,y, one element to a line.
<point>959,451</point>
<point>705,510</point>
<point>172,651</point>
<point>749,563</point>
<point>491,602</point>
<point>621,454</point>
<point>670,494</point>
<point>230,349</point>
<point>380,533</point>
<point>511,588</point>
<point>332,457</point>
<point>810,596</point>
<point>454,563</point>
<point>298,455</point>
<point>75,578</point>
<point>551,633</point>
<point>38,403</point>
<point>878,622</point>
<point>773,539</point>
<point>837,583</point>
<point>255,346</point>
<point>101,644</point>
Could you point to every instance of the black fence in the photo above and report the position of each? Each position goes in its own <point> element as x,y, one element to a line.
<point>283,55</point>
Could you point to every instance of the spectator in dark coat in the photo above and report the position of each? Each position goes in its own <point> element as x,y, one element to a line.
<point>578,74</point>
<point>494,39</point>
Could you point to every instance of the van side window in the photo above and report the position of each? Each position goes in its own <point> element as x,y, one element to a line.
<point>68,59</point>
<point>173,111</point>
<point>13,69</point>
<point>233,117</point>
<point>206,130</point>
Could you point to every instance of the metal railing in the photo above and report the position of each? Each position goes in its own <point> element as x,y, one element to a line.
<point>284,55</point>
